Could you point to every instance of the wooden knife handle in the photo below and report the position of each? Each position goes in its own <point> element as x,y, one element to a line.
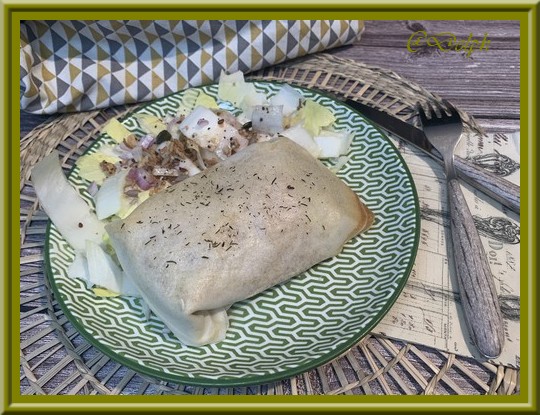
<point>500,189</point>
<point>476,283</point>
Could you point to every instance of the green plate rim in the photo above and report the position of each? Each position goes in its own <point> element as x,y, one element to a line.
<point>255,380</point>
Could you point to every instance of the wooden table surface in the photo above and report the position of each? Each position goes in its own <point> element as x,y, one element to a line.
<point>486,84</point>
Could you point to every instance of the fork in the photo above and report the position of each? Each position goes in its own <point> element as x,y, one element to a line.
<point>475,282</point>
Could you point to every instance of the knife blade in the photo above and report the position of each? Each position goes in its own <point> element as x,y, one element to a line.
<point>498,188</point>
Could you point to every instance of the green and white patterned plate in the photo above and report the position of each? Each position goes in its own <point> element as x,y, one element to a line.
<point>288,329</point>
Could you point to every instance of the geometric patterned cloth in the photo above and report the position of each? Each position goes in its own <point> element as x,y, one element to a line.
<point>83,65</point>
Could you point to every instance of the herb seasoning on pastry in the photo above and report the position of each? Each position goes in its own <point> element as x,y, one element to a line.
<point>255,220</point>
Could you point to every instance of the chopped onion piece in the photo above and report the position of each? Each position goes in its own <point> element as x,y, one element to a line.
<point>162,171</point>
<point>126,153</point>
<point>64,205</point>
<point>132,192</point>
<point>137,153</point>
<point>146,141</point>
<point>143,179</point>
<point>209,158</point>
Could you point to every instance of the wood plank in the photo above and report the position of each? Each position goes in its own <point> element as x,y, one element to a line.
<point>501,65</point>
<point>486,86</point>
<point>495,29</point>
<point>499,125</point>
<point>370,39</point>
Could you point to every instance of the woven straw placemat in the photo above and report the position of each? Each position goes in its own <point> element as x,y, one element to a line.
<point>55,359</point>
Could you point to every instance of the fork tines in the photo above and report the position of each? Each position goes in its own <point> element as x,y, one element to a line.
<point>436,113</point>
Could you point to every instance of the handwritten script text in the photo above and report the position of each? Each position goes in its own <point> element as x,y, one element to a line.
<point>446,42</point>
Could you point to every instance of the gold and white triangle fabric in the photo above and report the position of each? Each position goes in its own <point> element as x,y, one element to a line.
<point>82,65</point>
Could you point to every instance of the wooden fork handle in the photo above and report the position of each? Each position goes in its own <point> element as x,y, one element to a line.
<point>503,191</point>
<point>476,283</point>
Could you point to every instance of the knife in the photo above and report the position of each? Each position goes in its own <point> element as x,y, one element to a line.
<point>496,187</point>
